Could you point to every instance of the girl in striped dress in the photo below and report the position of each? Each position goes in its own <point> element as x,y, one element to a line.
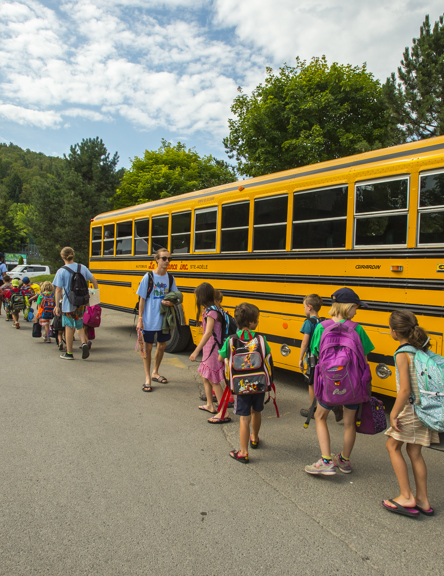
<point>405,426</point>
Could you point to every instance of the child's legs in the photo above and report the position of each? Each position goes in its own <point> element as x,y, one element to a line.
<point>69,336</point>
<point>244,433</point>
<point>420,474</point>
<point>349,432</point>
<point>147,363</point>
<point>208,385</point>
<point>400,468</point>
<point>15,316</point>
<point>311,393</point>
<point>256,419</point>
<point>321,415</point>
<point>46,329</point>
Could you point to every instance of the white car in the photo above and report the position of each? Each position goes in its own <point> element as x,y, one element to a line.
<point>29,270</point>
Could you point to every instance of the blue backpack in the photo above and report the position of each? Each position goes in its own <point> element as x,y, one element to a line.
<point>430,375</point>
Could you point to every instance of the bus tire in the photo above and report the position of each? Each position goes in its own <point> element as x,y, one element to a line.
<point>180,337</point>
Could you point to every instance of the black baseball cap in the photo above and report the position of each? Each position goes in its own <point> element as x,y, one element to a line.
<point>347,296</point>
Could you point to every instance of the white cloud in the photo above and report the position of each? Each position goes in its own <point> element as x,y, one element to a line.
<point>27,116</point>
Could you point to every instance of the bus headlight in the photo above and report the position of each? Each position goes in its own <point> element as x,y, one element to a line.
<point>383,371</point>
<point>285,350</point>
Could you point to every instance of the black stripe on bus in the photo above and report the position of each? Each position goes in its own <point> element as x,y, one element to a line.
<point>114,283</point>
<point>373,282</point>
<point>420,309</point>
<point>118,308</point>
<point>355,254</point>
<point>279,179</point>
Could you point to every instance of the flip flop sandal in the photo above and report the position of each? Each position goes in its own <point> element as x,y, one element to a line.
<point>216,420</point>
<point>428,512</point>
<point>161,380</point>
<point>146,388</point>
<point>235,454</point>
<point>254,444</point>
<point>411,512</point>
<point>205,409</point>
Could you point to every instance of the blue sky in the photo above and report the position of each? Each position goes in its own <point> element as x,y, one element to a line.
<point>135,71</point>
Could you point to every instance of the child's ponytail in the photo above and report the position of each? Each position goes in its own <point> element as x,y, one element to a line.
<point>405,324</point>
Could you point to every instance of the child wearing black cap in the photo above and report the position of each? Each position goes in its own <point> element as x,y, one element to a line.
<point>344,307</point>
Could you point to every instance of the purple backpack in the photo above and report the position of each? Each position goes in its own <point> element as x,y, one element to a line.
<point>342,375</point>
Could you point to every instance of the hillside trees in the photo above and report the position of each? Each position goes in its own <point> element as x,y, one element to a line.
<point>63,205</point>
<point>417,100</point>
<point>306,114</point>
<point>170,171</point>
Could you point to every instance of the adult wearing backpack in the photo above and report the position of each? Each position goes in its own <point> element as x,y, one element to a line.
<point>3,267</point>
<point>73,306</point>
<point>152,289</point>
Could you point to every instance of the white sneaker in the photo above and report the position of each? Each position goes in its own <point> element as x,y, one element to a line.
<point>320,467</point>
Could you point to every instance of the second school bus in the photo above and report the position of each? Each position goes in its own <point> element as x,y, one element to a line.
<point>373,222</point>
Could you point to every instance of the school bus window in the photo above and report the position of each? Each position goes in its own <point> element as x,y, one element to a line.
<point>108,240</point>
<point>205,228</point>
<point>141,235</point>
<point>234,228</point>
<point>381,213</point>
<point>270,223</point>
<point>159,233</point>
<point>320,218</point>
<point>181,232</point>
<point>431,209</point>
<point>124,238</point>
<point>96,241</point>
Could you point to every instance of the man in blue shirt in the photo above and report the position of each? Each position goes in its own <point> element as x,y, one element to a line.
<point>150,319</point>
<point>72,317</point>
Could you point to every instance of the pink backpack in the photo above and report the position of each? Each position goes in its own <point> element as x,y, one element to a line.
<point>92,316</point>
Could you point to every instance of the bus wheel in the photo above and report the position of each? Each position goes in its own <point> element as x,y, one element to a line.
<point>180,337</point>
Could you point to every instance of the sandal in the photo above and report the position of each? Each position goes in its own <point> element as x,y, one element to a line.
<point>147,388</point>
<point>235,454</point>
<point>160,379</point>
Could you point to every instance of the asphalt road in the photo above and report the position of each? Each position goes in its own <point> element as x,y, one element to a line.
<point>99,478</point>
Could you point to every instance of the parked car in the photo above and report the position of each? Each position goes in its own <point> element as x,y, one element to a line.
<point>29,270</point>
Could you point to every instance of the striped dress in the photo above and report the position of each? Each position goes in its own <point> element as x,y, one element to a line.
<point>412,430</point>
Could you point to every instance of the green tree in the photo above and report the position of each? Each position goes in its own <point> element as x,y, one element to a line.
<point>9,235</point>
<point>63,204</point>
<point>417,100</point>
<point>308,113</point>
<point>170,171</point>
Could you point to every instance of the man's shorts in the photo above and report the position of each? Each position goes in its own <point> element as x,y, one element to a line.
<point>148,336</point>
<point>349,406</point>
<point>245,402</point>
<point>70,322</point>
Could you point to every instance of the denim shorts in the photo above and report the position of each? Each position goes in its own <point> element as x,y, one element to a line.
<point>349,406</point>
<point>245,402</point>
<point>148,336</point>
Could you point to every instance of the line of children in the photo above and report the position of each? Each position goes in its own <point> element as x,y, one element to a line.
<point>16,302</point>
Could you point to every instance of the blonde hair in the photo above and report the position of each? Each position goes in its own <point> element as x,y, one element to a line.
<point>67,253</point>
<point>47,287</point>
<point>343,310</point>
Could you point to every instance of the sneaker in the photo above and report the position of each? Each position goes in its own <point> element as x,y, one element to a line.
<point>343,466</point>
<point>66,356</point>
<point>17,325</point>
<point>338,411</point>
<point>61,346</point>
<point>235,454</point>
<point>13,324</point>
<point>320,467</point>
<point>85,351</point>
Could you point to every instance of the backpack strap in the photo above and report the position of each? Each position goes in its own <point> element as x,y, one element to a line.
<point>151,283</point>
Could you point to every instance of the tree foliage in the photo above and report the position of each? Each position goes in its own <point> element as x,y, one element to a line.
<point>417,100</point>
<point>64,204</point>
<point>9,234</point>
<point>170,171</point>
<point>308,113</point>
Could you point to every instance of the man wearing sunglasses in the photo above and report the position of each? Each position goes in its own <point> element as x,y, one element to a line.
<point>152,289</point>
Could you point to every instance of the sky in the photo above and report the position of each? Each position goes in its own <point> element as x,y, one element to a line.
<point>135,71</point>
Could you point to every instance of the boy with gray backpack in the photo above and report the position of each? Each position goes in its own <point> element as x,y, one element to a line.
<point>342,376</point>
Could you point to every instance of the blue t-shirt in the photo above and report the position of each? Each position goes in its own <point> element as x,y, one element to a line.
<point>3,270</point>
<point>308,328</point>
<point>152,318</point>
<point>63,280</point>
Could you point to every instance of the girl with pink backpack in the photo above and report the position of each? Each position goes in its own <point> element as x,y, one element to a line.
<point>342,376</point>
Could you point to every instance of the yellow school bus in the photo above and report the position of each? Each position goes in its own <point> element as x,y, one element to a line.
<point>373,222</point>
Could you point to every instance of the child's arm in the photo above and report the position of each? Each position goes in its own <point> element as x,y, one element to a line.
<point>205,338</point>
<point>402,362</point>
<point>304,346</point>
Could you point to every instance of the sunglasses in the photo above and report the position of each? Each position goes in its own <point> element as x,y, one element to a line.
<point>165,258</point>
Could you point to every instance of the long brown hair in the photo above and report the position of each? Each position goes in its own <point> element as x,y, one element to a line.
<point>204,297</point>
<point>405,324</point>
